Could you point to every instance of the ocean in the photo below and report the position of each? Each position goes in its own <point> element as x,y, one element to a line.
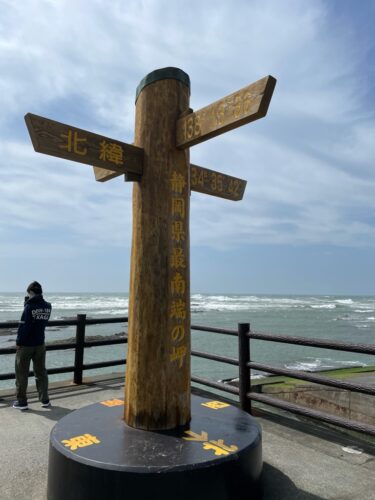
<point>344,318</point>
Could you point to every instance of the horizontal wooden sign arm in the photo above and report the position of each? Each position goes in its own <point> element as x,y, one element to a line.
<point>241,107</point>
<point>202,180</point>
<point>71,143</point>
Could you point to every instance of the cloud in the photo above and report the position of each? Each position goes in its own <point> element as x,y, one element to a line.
<point>292,197</point>
<point>309,163</point>
<point>52,196</point>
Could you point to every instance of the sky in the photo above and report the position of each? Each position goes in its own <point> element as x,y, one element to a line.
<point>306,224</point>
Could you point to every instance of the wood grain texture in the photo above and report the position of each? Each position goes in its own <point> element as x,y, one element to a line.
<point>104,174</point>
<point>241,107</point>
<point>71,143</point>
<point>157,392</point>
<point>202,180</point>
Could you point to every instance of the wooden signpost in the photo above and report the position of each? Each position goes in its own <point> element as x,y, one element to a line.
<point>71,143</point>
<point>157,394</point>
<point>202,180</point>
<point>158,362</point>
<point>241,107</point>
<point>214,183</point>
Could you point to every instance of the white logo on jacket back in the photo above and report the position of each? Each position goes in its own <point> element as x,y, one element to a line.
<point>43,313</point>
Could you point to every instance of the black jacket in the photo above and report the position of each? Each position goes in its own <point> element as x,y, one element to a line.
<point>34,318</point>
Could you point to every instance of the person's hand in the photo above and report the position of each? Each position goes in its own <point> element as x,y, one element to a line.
<point>18,347</point>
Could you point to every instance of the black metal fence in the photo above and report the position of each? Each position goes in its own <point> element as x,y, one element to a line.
<point>79,345</point>
<point>244,364</point>
<point>246,395</point>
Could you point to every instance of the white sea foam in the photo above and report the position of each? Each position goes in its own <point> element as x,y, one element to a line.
<point>118,304</point>
<point>112,304</point>
<point>350,363</point>
<point>112,312</point>
<point>256,376</point>
<point>11,306</point>
<point>344,301</point>
<point>310,365</point>
<point>245,302</point>
<point>89,304</point>
<point>323,306</point>
<point>320,364</point>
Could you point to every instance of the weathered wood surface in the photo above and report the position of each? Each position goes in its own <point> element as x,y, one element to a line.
<point>104,174</point>
<point>71,143</point>
<point>214,183</point>
<point>157,392</point>
<point>243,106</point>
<point>202,180</point>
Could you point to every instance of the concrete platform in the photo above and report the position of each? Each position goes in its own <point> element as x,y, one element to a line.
<point>301,460</point>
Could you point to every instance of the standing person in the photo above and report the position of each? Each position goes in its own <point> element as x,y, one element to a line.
<point>30,346</point>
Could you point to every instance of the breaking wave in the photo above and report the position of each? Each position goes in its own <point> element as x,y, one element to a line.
<point>321,364</point>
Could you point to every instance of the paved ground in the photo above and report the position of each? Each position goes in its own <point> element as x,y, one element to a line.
<point>301,460</point>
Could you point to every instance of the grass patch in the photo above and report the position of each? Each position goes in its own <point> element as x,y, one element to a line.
<point>289,382</point>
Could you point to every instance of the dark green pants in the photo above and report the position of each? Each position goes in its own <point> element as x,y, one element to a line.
<point>24,356</point>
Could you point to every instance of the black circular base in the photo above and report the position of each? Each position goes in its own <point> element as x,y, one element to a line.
<point>95,455</point>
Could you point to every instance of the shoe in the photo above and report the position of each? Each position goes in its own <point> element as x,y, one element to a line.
<point>20,406</point>
<point>46,404</point>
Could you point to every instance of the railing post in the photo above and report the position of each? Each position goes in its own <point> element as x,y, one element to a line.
<point>244,371</point>
<point>80,347</point>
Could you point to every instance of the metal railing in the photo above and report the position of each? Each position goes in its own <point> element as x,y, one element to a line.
<point>318,379</point>
<point>244,363</point>
<point>79,345</point>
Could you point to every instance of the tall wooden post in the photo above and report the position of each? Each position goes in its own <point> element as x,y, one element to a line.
<point>157,392</point>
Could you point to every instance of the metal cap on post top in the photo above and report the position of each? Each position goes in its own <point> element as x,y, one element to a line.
<point>163,74</point>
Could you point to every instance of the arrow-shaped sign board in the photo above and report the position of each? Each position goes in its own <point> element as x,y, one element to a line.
<point>202,180</point>
<point>214,183</point>
<point>244,106</point>
<point>64,141</point>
